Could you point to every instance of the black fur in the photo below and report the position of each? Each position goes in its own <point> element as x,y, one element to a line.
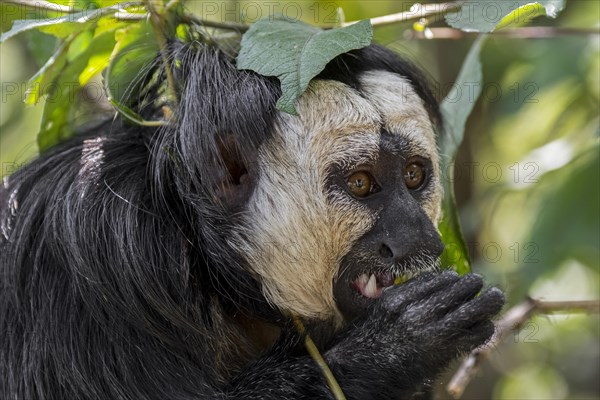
<point>347,68</point>
<point>117,281</point>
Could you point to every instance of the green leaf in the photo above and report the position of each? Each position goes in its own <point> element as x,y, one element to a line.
<point>488,15</point>
<point>55,120</point>
<point>459,102</point>
<point>96,64</point>
<point>135,51</point>
<point>97,44</point>
<point>40,83</point>
<point>80,44</point>
<point>456,108</point>
<point>62,26</point>
<point>296,52</point>
<point>12,12</point>
<point>41,46</point>
<point>61,103</point>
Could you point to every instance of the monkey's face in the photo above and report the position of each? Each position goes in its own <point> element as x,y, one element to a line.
<point>347,198</point>
<point>402,240</point>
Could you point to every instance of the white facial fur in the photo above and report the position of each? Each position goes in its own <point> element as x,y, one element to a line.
<point>294,235</point>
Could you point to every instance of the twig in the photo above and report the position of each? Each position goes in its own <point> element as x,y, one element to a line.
<point>335,388</point>
<point>130,16</point>
<point>59,8</point>
<point>512,320</point>
<point>232,26</point>
<point>191,19</point>
<point>44,5</point>
<point>417,11</point>
<point>587,306</point>
<point>538,32</point>
<point>171,5</point>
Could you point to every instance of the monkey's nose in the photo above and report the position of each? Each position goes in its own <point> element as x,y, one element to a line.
<point>385,251</point>
<point>389,251</point>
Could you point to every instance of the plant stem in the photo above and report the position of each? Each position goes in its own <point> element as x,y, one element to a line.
<point>335,388</point>
<point>158,22</point>
<point>417,11</point>
<point>44,5</point>
<point>233,26</point>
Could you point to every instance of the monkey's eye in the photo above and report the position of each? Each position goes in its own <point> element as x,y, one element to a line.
<point>414,175</point>
<point>361,184</point>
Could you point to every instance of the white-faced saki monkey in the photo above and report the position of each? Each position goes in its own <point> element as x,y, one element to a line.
<point>168,262</point>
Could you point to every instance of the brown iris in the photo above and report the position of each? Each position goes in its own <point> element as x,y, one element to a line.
<point>414,175</point>
<point>360,183</point>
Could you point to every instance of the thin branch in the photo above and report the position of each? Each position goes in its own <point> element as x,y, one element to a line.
<point>171,5</point>
<point>59,8</point>
<point>547,307</point>
<point>135,16</point>
<point>511,321</point>
<point>335,388</point>
<point>417,11</point>
<point>130,16</point>
<point>44,5</point>
<point>232,26</point>
<point>537,32</point>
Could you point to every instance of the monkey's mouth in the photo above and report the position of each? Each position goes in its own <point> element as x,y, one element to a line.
<point>362,281</point>
<point>372,285</point>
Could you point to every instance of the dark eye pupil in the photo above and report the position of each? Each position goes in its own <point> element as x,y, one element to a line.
<point>413,176</point>
<point>360,184</point>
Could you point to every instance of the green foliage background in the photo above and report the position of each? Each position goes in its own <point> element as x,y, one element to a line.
<point>527,176</point>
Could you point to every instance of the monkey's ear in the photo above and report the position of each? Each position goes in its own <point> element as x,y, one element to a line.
<point>237,178</point>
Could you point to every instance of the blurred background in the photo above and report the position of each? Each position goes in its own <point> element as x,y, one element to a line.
<point>527,177</point>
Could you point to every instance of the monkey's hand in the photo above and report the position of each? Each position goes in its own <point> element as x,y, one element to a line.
<point>412,333</point>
